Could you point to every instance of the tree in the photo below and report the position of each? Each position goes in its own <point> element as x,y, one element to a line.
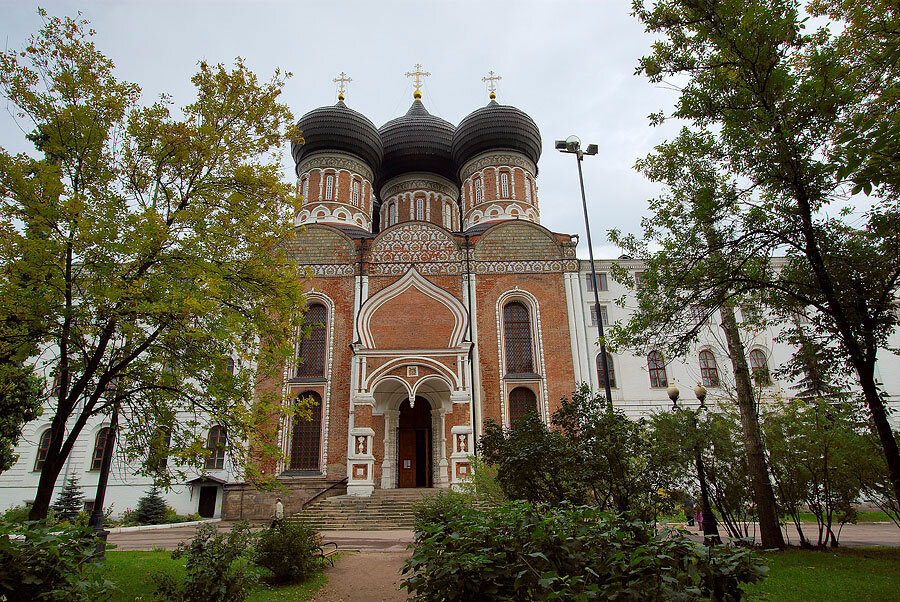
<point>793,114</point>
<point>691,276</point>
<point>148,246</point>
<point>70,500</point>
<point>21,396</point>
<point>151,508</point>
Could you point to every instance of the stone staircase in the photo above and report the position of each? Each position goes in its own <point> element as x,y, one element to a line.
<point>385,509</point>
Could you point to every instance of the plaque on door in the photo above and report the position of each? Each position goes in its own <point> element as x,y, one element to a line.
<point>407,464</point>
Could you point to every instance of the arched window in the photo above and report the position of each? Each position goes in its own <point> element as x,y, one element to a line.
<point>99,448</point>
<point>215,443</point>
<point>709,371</point>
<point>504,185</point>
<point>355,198</point>
<point>759,368</point>
<point>311,355</point>
<point>306,436</point>
<point>43,449</point>
<point>392,214</point>
<point>527,190</point>
<point>657,369</point>
<point>446,216</point>
<point>517,335</point>
<point>479,191</point>
<point>229,366</point>
<point>521,401</point>
<point>329,188</point>
<point>609,370</point>
<point>306,189</point>
<point>420,209</point>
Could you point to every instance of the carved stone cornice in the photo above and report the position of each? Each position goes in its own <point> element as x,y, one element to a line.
<point>497,159</point>
<point>335,161</point>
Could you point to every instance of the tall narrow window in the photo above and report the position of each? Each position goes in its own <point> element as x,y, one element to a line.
<point>610,370</point>
<point>311,356</point>
<point>504,185</point>
<point>159,446</point>
<point>657,369</point>
<point>99,448</point>
<point>306,436</point>
<point>479,191</point>
<point>229,366</point>
<point>329,188</point>
<point>355,198</point>
<point>709,371</point>
<point>305,190</point>
<point>215,443</point>
<point>527,190</point>
<point>601,281</point>
<point>420,209</point>
<point>521,401</point>
<point>517,334</point>
<point>639,280</point>
<point>393,212</point>
<point>43,449</point>
<point>446,212</point>
<point>603,315</point>
<point>759,368</point>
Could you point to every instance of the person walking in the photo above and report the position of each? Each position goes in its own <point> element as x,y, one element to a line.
<point>688,508</point>
<point>279,513</point>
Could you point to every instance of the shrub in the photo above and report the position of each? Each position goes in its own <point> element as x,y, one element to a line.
<point>288,550</point>
<point>483,485</point>
<point>216,567</point>
<point>44,561</point>
<point>436,509</point>
<point>524,551</point>
<point>151,508</point>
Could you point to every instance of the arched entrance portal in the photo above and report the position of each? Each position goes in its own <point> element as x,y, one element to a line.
<point>414,444</point>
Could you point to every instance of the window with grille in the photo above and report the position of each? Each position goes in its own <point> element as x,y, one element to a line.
<point>420,209</point>
<point>517,335</point>
<point>329,188</point>
<point>527,189</point>
<point>215,443</point>
<point>307,435</point>
<point>504,185</point>
<point>447,216</point>
<point>698,316</point>
<point>604,315</point>
<point>392,214</point>
<point>657,369</point>
<point>521,401</point>
<point>609,370</point>
<point>601,279</point>
<point>709,371</point>
<point>43,449</point>
<point>479,191</point>
<point>305,190</point>
<point>759,367</point>
<point>639,280</point>
<point>311,355</point>
<point>229,366</point>
<point>99,448</point>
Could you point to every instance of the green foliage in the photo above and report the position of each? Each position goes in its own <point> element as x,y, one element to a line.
<point>70,502</point>
<point>822,456</point>
<point>593,455</point>
<point>482,485</point>
<point>47,561</point>
<point>21,395</point>
<point>289,550</point>
<point>522,551</point>
<point>146,246</point>
<point>440,508</point>
<point>216,567</point>
<point>151,508</point>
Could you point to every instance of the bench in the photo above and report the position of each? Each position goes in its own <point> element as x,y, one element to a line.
<point>329,553</point>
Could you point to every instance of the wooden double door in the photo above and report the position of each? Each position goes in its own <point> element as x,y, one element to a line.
<point>414,444</point>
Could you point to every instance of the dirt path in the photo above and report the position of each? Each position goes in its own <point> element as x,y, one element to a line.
<point>365,577</point>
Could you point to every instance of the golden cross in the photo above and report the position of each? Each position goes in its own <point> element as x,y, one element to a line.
<point>340,81</point>
<point>418,74</point>
<point>491,79</point>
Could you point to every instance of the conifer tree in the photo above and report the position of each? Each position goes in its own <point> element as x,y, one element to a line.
<point>151,508</point>
<point>70,501</point>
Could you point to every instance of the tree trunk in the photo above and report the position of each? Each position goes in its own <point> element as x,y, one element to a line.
<point>883,428</point>
<point>769,529</point>
<point>44,495</point>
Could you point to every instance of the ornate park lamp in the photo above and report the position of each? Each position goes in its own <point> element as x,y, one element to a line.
<point>710,528</point>
<point>572,145</point>
<point>96,519</point>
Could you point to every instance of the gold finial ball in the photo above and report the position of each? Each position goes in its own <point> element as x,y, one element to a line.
<point>417,95</point>
<point>340,97</point>
<point>493,96</point>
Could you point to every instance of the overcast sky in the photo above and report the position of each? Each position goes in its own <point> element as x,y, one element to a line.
<point>570,65</point>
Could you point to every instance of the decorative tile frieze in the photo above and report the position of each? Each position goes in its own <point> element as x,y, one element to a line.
<point>505,159</point>
<point>414,243</point>
<point>525,266</point>
<point>335,161</point>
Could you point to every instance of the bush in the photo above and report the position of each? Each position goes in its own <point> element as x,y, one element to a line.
<point>482,484</point>
<point>216,567</point>
<point>151,508</point>
<point>524,551</point>
<point>440,508</point>
<point>289,550</point>
<point>44,561</point>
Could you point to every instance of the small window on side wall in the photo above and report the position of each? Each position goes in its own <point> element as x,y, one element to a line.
<point>521,401</point>
<point>601,280</point>
<point>657,369</point>
<point>215,443</point>
<point>610,370</point>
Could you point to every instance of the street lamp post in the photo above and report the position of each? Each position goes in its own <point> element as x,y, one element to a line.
<point>572,145</point>
<point>710,527</point>
<point>96,519</point>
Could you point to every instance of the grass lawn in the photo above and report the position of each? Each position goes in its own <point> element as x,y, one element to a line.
<point>870,574</point>
<point>132,573</point>
<point>861,517</point>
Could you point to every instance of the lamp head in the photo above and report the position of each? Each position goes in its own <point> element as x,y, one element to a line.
<point>560,145</point>
<point>591,149</point>
<point>673,392</point>
<point>700,392</point>
<point>573,143</point>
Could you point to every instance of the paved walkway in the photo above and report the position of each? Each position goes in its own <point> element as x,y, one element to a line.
<point>365,577</point>
<point>863,534</point>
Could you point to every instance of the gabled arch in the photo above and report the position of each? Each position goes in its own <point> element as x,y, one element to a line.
<point>412,279</point>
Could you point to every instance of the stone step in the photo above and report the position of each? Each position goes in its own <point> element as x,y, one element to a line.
<point>384,509</point>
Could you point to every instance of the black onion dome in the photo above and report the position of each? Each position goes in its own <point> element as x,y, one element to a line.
<point>496,127</point>
<point>417,141</point>
<point>339,128</point>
